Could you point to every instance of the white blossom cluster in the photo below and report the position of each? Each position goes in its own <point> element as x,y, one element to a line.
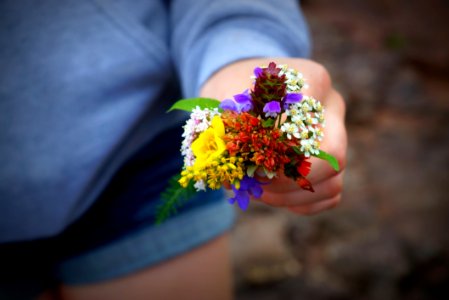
<point>305,121</point>
<point>295,80</point>
<point>200,120</point>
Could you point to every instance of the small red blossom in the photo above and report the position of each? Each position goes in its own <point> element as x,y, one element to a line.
<point>305,184</point>
<point>304,167</point>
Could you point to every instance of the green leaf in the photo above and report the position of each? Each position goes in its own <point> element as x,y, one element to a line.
<point>268,123</point>
<point>297,150</point>
<point>330,159</point>
<point>250,170</point>
<point>269,174</point>
<point>190,103</point>
<point>173,197</point>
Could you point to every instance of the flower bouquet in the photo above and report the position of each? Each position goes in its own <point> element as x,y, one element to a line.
<point>246,141</point>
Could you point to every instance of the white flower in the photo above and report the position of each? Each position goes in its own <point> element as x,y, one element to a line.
<point>306,147</point>
<point>304,133</point>
<point>317,106</point>
<point>297,119</point>
<point>305,107</point>
<point>319,134</point>
<point>292,110</point>
<point>295,80</point>
<point>290,129</point>
<point>200,185</point>
<point>309,146</point>
<point>310,119</point>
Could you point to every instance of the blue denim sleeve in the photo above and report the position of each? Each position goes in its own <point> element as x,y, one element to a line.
<point>207,35</point>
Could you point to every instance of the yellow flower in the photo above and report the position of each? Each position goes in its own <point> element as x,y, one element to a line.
<point>209,145</point>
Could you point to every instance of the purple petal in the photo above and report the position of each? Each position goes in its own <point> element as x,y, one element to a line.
<point>258,71</point>
<point>292,98</point>
<point>243,97</point>
<point>272,108</point>
<point>245,107</point>
<point>243,199</point>
<point>246,183</point>
<point>256,190</point>
<point>228,104</point>
<point>244,101</point>
<point>249,186</point>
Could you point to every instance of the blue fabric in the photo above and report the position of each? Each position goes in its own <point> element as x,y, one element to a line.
<point>85,143</point>
<point>208,35</point>
<point>149,246</point>
<point>117,235</point>
<point>82,87</point>
<point>29,268</point>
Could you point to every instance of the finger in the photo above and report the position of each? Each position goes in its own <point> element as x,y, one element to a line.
<point>324,190</point>
<point>312,209</point>
<point>335,139</point>
<point>316,77</point>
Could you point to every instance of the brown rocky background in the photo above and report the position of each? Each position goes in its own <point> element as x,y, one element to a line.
<point>389,239</point>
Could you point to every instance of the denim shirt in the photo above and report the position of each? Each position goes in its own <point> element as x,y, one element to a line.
<point>84,84</point>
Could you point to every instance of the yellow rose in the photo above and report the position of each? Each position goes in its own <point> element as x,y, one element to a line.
<point>209,145</point>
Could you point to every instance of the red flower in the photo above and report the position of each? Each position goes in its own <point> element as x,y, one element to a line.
<point>247,138</point>
<point>305,184</point>
<point>304,167</point>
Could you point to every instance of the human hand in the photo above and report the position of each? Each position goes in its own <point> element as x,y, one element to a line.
<point>282,191</point>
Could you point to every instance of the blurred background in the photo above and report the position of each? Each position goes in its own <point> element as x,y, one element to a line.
<point>389,239</point>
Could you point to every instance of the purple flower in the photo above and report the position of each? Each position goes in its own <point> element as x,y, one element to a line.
<point>229,104</point>
<point>272,109</point>
<point>244,101</point>
<point>291,98</point>
<point>242,198</point>
<point>248,187</point>
<point>258,71</point>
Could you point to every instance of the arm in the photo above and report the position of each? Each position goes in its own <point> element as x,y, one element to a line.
<point>327,183</point>
<point>208,35</point>
<point>214,44</point>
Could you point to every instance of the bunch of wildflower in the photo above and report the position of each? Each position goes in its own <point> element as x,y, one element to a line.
<point>263,131</point>
<point>257,133</point>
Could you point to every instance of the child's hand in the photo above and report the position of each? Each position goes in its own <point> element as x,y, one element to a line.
<point>327,183</point>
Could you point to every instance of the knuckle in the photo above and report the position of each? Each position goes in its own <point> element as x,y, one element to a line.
<point>323,76</point>
<point>311,210</point>
<point>342,161</point>
<point>340,100</point>
<point>338,150</point>
<point>272,199</point>
<point>336,201</point>
<point>336,186</point>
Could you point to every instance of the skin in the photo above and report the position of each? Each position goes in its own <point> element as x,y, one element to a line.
<point>205,272</point>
